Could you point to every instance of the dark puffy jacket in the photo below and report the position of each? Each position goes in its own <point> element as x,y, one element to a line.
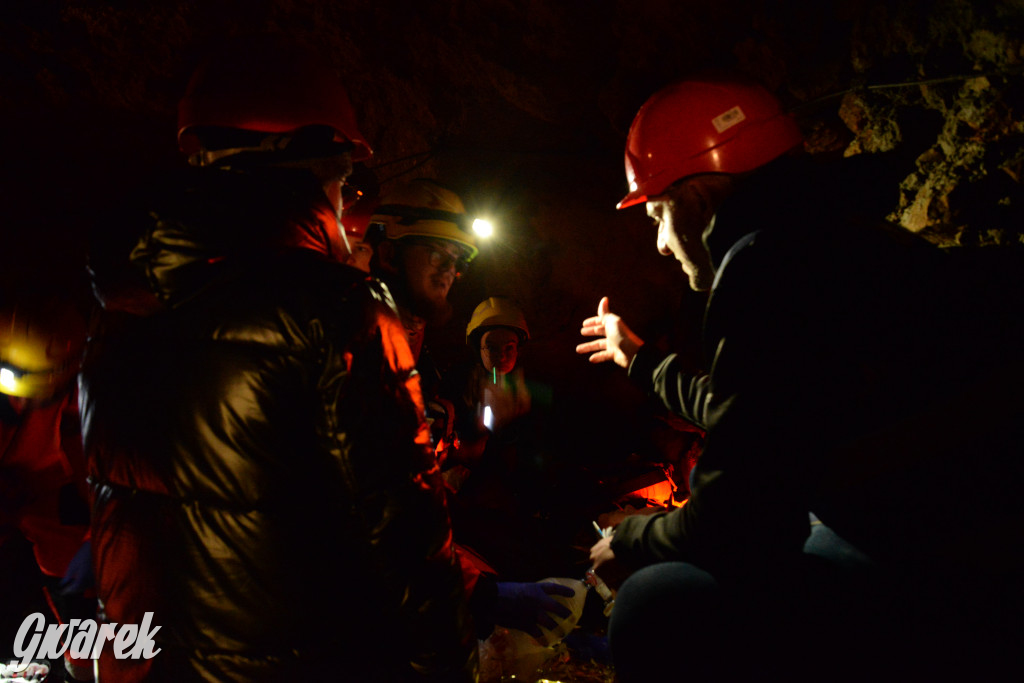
<point>260,465</point>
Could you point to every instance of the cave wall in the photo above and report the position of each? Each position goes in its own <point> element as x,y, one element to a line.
<point>523,107</point>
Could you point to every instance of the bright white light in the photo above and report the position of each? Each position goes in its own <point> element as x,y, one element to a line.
<point>483,227</point>
<point>488,418</point>
<point>632,186</point>
<point>7,379</point>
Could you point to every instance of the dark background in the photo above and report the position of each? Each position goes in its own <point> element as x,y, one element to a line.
<point>523,107</point>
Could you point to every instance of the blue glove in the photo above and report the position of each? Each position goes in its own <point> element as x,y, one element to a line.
<point>78,577</point>
<point>528,606</point>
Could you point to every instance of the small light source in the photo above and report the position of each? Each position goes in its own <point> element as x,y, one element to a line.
<point>483,227</point>
<point>488,418</point>
<point>632,186</point>
<point>7,379</point>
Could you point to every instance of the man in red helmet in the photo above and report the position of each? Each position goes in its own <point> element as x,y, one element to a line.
<point>265,495</point>
<point>834,386</point>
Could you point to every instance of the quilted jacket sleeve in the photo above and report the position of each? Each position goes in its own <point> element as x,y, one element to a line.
<point>374,425</point>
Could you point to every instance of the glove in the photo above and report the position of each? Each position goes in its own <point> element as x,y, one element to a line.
<point>528,606</point>
<point>78,577</point>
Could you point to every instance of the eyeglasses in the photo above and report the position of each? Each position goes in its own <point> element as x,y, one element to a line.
<point>443,259</point>
<point>499,350</point>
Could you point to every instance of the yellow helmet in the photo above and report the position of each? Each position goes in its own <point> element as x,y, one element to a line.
<point>40,347</point>
<point>423,208</point>
<point>497,311</point>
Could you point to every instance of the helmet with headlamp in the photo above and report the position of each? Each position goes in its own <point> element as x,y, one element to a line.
<point>41,347</point>
<point>423,209</point>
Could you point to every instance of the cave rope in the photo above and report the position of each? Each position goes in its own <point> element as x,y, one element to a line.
<point>908,84</point>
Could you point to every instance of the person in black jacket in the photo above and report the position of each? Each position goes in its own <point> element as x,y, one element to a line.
<point>262,475</point>
<point>854,506</point>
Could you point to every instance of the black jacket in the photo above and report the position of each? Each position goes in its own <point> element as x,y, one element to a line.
<point>259,459</point>
<point>851,368</point>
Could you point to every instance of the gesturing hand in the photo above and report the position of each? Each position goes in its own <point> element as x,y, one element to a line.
<point>618,343</point>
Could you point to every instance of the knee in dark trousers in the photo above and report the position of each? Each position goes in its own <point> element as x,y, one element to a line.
<point>668,622</point>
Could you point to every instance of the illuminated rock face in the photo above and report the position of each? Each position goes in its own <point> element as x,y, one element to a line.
<point>523,108</point>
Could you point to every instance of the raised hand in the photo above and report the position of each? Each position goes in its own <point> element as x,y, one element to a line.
<point>617,343</point>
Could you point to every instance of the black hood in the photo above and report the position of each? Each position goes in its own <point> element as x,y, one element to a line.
<point>200,225</point>
<point>800,193</point>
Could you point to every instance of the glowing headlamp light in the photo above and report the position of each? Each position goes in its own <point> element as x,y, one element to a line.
<point>483,227</point>
<point>9,378</point>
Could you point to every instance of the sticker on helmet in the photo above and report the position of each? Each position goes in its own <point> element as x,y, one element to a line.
<point>724,122</point>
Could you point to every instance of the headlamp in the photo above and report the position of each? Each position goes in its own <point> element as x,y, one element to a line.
<point>10,378</point>
<point>483,227</point>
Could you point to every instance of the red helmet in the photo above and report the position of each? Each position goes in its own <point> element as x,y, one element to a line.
<point>703,126</point>
<point>267,85</point>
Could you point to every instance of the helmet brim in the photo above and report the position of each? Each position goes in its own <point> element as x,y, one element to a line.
<point>439,230</point>
<point>632,199</point>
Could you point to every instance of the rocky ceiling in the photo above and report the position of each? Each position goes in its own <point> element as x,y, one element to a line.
<point>523,106</point>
